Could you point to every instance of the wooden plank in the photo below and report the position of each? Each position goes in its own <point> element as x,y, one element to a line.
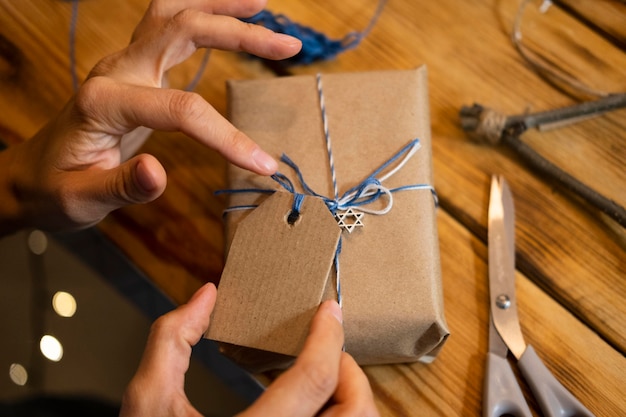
<point>608,16</point>
<point>566,247</point>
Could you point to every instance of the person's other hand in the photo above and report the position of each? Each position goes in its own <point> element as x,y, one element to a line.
<point>74,171</point>
<point>323,381</point>
<point>158,387</point>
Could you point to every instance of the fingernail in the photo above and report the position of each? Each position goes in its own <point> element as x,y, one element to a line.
<point>265,162</point>
<point>287,39</point>
<point>199,291</point>
<point>145,178</point>
<point>335,310</point>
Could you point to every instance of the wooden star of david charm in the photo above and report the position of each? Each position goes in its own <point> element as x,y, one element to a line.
<point>349,219</point>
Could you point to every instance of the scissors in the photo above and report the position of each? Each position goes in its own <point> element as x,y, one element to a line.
<point>502,394</point>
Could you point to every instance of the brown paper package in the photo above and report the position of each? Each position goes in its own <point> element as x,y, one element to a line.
<point>390,268</point>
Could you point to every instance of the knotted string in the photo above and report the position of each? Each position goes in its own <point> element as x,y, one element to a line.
<point>365,193</point>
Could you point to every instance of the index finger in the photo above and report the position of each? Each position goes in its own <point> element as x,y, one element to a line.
<point>121,107</point>
<point>311,381</point>
<point>181,35</point>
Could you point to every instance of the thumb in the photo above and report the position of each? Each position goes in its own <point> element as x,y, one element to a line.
<point>88,196</point>
<point>139,180</point>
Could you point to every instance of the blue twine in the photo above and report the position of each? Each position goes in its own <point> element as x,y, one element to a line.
<point>356,196</point>
<point>316,46</point>
<point>298,198</point>
<point>338,282</point>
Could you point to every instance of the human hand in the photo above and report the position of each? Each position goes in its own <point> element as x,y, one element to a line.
<point>324,381</point>
<point>322,378</point>
<point>158,387</point>
<point>73,172</point>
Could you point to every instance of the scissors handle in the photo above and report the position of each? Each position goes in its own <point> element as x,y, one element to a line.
<point>554,399</point>
<point>502,394</point>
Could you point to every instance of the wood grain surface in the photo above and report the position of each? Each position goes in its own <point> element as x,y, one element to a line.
<point>571,259</point>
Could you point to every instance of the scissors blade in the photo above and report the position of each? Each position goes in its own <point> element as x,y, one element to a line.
<point>503,304</point>
<point>496,345</point>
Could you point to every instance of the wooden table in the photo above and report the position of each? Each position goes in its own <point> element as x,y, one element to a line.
<point>571,259</point>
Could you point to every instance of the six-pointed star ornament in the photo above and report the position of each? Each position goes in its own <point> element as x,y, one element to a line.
<point>349,219</point>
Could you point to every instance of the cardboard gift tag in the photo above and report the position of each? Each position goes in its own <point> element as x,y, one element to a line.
<point>275,274</point>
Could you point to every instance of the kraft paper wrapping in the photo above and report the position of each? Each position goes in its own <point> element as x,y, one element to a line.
<point>390,267</point>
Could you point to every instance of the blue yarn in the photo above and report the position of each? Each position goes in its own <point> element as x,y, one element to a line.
<point>316,46</point>
<point>284,182</point>
<point>336,263</point>
<point>298,199</point>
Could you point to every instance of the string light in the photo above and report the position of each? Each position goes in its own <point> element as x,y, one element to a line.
<point>51,348</point>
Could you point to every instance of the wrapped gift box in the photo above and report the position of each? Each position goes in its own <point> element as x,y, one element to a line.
<point>389,265</point>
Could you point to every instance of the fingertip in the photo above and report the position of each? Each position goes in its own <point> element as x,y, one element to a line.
<point>150,176</point>
<point>265,163</point>
<point>291,42</point>
<point>145,178</point>
<point>332,307</point>
<point>280,46</point>
<point>207,290</point>
<point>197,311</point>
<point>204,298</point>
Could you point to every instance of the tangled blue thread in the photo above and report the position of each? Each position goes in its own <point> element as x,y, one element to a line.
<point>316,46</point>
